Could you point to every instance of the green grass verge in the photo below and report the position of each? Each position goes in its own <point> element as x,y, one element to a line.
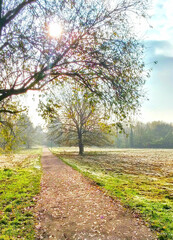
<point>148,196</point>
<point>19,185</point>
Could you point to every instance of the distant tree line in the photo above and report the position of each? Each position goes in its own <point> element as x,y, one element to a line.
<point>17,131</point>
<point>150,135</point>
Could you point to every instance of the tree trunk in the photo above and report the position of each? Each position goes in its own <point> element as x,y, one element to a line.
<point>131,138</point>
<point>80,143</point>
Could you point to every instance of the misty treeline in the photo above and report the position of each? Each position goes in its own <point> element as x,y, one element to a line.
<point>156,134</point>
<point>17,131</point>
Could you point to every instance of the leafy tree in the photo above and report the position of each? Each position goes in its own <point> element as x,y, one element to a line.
<point>97,48</point>
<point>8,127</point>
<point>6,137</point>
<point>29,135</point>
<point>75,118</point>
<point>9,138</point>
<point>17,131</point>
<point>40,136</point>
<point>26,131</point>
<point>168,139</point>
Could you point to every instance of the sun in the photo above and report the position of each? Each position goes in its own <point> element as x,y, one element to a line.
<point>55,30</point>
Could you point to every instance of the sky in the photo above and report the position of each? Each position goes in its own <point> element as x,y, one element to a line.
<point>159,47</point>
<point>158,38</point>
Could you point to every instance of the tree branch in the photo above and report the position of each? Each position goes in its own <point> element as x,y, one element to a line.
<point>10,111</point>
<point>1,2</point>
<point>10,15</point>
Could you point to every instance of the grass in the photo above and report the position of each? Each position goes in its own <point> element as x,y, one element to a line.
<point>142,179</point>
<point>19,184</point>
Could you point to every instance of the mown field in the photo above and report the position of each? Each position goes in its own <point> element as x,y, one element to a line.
<point>141,178</point>
<point>19,184</point>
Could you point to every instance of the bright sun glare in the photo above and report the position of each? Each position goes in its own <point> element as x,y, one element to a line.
<point>55,30</point>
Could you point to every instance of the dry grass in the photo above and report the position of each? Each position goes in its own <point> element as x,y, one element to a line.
<point>141,178</point>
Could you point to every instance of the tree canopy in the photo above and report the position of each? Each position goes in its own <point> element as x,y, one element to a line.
<point>73,118</point>
<point>97,48</point>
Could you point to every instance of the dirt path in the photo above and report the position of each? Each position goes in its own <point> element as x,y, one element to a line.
<point>70,207</point>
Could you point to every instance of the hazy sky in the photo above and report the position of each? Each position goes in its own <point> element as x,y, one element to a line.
<point>159,47</point>
<point>159,43</point>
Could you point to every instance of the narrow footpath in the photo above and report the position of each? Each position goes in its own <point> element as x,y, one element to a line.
<point>71,207</point>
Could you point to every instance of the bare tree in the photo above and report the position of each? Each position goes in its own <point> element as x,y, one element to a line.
<point>73,116</point>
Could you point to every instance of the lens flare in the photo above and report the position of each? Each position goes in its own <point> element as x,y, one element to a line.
<point>55,30</point>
